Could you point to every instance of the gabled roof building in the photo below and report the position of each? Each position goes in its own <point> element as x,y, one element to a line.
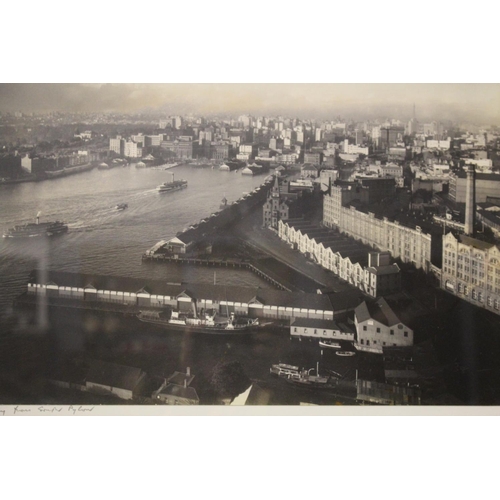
<point>377,326</point>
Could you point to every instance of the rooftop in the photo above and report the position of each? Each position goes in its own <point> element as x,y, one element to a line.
<point>219,293</point>
<point>472,242</point>
<point>379,311</point>
<point>113,375</point>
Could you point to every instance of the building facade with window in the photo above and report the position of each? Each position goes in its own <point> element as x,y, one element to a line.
<point>410,245</point>
<point>321,329</point>
<point>377,326</point>
<point>471,271</point>
<point>370,272</point>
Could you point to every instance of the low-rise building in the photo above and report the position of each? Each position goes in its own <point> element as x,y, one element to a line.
<point>321,329</point>
<point>176,390</point>
<point>313,158</point>
<point>133,294</point>
<point>106,378</point>
<point>489,215</point>
<point>377,326</point>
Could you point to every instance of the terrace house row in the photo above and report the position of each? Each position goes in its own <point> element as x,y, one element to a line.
<point>370,272</point>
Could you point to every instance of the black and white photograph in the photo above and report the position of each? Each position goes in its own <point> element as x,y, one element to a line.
<point>274,227</point>
<point>250,244</point>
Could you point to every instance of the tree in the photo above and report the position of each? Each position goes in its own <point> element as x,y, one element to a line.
<point>228,379</point>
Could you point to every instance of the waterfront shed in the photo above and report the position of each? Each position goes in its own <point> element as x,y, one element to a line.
<point>106,378</point>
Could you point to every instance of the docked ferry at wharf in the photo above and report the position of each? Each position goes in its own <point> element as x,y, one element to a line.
<point>36,229</point>
<point>212,323</point>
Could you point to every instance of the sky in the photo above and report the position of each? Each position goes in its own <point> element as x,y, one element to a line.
<point>479,103</point>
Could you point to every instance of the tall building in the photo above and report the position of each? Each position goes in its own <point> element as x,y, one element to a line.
<point>390,136</point>
<point>117,145</point>
<point>132,150</point>
<point>484,185</point>
<point>471,270</point>
<point>410,245</point>
<point>182,147</point>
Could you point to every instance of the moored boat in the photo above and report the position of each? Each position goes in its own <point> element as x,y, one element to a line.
<point>211,323</point>
<point>303,378</point>
<point>329,344</point>
<point>284,370</point>
<point>345,353</point>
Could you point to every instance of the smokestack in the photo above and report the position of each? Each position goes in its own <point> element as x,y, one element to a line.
<point>38,217</point>
<point>188,371</point>
<point>470,200</point>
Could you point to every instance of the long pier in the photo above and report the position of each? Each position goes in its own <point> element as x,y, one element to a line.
<point>231,263</point>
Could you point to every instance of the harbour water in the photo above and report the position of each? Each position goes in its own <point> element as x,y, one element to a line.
<point>104,240</point>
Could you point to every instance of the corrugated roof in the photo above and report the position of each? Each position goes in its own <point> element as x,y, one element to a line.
<point>180,391</point>
<point>219,293</point>
<point>383,270</point>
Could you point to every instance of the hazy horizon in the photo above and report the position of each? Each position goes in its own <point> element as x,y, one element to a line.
<point>478,103</point>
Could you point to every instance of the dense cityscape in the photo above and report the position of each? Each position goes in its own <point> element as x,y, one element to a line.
<point>374,247</point>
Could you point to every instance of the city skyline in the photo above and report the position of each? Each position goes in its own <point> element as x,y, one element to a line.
<point>478,103</point>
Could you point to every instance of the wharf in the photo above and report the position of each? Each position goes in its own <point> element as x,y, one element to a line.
<point>254,267</point>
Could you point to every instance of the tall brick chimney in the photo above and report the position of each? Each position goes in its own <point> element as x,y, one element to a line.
<point>470,200</point>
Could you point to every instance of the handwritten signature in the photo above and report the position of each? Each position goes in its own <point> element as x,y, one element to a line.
<point>57,410</point>
<point>80,409</point>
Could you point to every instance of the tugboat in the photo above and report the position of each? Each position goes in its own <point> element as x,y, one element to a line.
<point>35,229</point>
<point>304,378</point>
<point>121,206</point>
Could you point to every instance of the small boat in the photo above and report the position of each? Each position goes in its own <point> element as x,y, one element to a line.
<point>329,344</point>
<point>345,353</point>
<point>121,206</point>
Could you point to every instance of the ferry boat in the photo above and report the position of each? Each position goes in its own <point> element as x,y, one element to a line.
<point>329,344</point>
<point>121,206</point>
<point>212,323</point>
<point>35,229</point>
<point>168,187</point>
